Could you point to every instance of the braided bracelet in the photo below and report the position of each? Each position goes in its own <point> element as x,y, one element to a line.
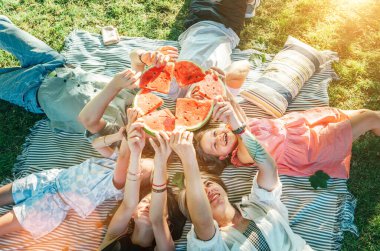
<point>164,184</point>
<point>159,190</point>
<point>240,130</point>
<point>139,174</point>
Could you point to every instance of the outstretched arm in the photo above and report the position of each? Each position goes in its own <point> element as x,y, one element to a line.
<point>141,58</point>
<point>91,115</point>
<point>119,223</point>
<point>199,207</point>
<point>158,205</point>
<point>268,176</point>
<point>102,144</point>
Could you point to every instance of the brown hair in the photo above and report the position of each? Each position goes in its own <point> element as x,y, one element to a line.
<point>206,161</point>
<point>182,203</point>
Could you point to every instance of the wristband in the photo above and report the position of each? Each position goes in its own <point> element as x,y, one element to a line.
<point>164,184</point>
<point>240,130</point>
<point>159,190</point>
<point>139,174</point>
<point>140,55</point>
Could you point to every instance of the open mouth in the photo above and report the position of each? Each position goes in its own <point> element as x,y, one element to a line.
<point>225,138</point>
<point>213,197</point>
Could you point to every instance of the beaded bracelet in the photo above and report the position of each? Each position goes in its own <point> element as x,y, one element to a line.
<point>239,130</point>
<point>164,184</point>
<point>159,190</point>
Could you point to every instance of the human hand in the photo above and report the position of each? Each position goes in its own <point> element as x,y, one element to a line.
<point>162,150</point>
<point>125,79</point>
<point>136,137</point>
<point>224,112</point>
<point>154,58</point>
<point>132,115</point>
<point>219,73</point>
<point>170,51</point>
<point>181,141</point>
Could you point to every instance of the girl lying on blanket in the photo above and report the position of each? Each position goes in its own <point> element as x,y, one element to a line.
<point>259,222</point>
<point>44,199</point>
<point>150,215</point>
<point>301,143</point>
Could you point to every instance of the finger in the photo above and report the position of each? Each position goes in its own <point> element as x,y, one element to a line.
<point>159,139</point>
<point>217,107</point>
<point>153,144</point>
<point>164,135</point>
<point>129,73</point>
<point>221,111</point>
<point>190,138</point>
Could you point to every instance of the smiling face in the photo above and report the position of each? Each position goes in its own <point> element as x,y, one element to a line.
<point>219,142</point>
<point>218,199</point>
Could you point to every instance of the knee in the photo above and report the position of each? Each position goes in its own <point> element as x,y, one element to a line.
<point>5,19</point>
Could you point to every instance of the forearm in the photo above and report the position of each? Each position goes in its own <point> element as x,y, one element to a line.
<point>118,225</point>
<point>268,175</point>
<point>132,182</point>
<point>102,144</point>
<point>158,201</point>
<point>197,201</point>
<point>136,62</point>
<point>91,114</point>
<point>121,169</point>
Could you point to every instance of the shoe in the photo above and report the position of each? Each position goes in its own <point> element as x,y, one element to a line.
<point>251,8</point>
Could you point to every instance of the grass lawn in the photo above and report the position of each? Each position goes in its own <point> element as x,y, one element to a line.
<point>350,27</point>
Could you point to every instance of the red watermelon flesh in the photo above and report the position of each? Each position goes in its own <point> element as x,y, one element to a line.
<point>147,102</point>
<point>211,87</point>
<point>192,113</point>
<point>187,73</point>
<point>162,120</point>
<point>157,78</point>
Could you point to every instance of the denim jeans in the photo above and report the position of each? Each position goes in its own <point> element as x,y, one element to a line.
<point>19,85</point>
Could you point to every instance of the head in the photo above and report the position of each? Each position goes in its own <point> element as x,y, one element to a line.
<point>215,145</point>
<point>143,232</point>
<point>216,192</point>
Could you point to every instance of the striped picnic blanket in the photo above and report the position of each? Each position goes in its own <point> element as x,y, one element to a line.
<point>319,216</point>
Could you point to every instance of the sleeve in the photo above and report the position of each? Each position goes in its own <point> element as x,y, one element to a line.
<point>271,199</point>
<point>216,243</point>
<point>110,128</point>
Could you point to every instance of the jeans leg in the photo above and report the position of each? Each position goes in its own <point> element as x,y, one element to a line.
<point>28,49</point>
<point>19,85</point>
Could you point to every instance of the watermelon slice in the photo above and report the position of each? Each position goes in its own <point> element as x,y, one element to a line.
<point>162,120</point>
<point>157,78</point>
<point>187,73</point>
<point>193,114</point>
<point>210,87</point>
<point>146,102</point>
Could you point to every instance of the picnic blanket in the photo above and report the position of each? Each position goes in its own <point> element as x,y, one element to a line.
<point>319,216</point>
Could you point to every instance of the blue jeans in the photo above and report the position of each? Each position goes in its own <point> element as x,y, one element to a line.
<point>19,85</point>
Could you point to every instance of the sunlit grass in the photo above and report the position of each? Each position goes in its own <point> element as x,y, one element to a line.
<point>349,27</point>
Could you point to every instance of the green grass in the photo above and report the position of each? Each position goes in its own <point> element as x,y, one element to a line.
<point>350,27</point>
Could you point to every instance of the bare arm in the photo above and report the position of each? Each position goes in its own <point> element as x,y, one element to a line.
<point>102,144</point>
<point>268,176</point>
<point>91,115</point>
<point>158,209</point>
<point>197,202</point>
<point>136,142</point>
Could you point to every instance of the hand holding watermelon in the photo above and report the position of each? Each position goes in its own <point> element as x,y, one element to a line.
<point>170,51</point>
<point>155,58</point>
<point>125,79</point>
<point>181,141</point>
<point>162,150</point>
<point>136,137</point>
<point>224,112</point>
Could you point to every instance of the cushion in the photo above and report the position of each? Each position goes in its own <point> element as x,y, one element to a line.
<point>285,76</point>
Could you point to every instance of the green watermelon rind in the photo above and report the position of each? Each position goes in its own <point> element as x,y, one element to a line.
<point>150,131</point>
<point>201,124</point>
<point>188,94</point>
